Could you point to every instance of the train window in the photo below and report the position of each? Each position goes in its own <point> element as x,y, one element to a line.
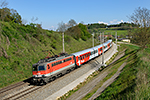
<point>83,56</point>
<point>41,68</point>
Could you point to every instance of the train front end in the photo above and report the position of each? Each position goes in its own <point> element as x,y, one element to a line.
<point>39,72</point>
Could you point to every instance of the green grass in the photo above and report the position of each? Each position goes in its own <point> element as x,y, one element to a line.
<point>132,83</point>
<point>24,45</point>
<point>119,32</point>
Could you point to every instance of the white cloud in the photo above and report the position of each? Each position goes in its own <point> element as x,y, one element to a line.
<point>115,21</point>
<point>102,22</point>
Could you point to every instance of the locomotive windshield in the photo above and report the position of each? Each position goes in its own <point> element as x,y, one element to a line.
<point>41,68</point>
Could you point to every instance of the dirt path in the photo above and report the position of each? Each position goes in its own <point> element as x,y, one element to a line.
<point>82,92</point>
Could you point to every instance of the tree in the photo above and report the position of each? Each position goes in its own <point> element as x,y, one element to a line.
<point>141,17</point>
<point>34,19</point>
<point>39,26</point>
<point>62,27</point>
<point>84,33</point>
<point>72,23</point>
<point>141,35</point>
<point>10,15</point>
<point>3,4</point>
<point>16,16</point>
<point>74,31</point>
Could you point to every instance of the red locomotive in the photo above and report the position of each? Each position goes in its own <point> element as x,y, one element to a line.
<point>51,67</point>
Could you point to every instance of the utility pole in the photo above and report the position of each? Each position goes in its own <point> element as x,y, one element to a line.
<point>93,39</point>
<point>103,49</point>
<point>63,42</point>
<point>116,37</point>
<point>100,38</point>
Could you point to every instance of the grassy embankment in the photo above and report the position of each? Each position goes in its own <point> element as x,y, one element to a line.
<point>133,82</point>
<point>21,46</point>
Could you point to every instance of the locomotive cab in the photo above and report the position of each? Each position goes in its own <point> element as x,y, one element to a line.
<point>39,71</point>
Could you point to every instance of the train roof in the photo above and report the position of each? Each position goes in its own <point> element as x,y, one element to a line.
<point>52,59</point>
<point>90,49</point>
<point>82,52</point>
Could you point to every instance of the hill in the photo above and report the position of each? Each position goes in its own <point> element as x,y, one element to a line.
<point>22,45</point>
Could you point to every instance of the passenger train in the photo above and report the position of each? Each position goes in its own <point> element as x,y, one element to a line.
<point>52,67</point>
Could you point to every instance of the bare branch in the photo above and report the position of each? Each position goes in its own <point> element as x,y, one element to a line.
<point>62,27</point>
<point>141,16</point>
<point>3,3</point>
<point>34,19</point>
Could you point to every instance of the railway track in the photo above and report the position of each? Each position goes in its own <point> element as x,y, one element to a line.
<point>11,87</point>
<point>22,93</point>
<point>10,90</point>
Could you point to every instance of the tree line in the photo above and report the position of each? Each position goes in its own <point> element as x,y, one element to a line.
<point>122,24</point>
<point>75,30</point>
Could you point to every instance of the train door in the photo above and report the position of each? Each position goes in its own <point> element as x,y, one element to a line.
<point>92,54</point>
<point>101,50</point>
<point>96,52</point>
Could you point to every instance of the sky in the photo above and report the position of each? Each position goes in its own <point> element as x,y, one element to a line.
<point>52,12</point>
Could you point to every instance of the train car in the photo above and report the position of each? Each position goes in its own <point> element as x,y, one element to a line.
<point>107,45</point>
<point>47,69</point>
<point>50,68</point>
<point>83,56</point>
